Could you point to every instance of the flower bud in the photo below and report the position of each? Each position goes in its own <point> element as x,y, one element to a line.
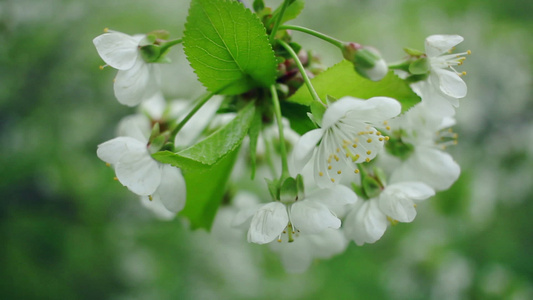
<point>367,61</point>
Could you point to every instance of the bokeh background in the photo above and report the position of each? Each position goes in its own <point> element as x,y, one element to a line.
<point>68,231</point>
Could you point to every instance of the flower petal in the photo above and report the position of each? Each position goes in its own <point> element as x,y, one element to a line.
<point>267,223</point>
<point>440,43</point>
<point>450,83</point>
<point>117,49</point>
<point>304,148</point>
<point>137,126</point>
<point>397,200</point>
<point>112,150</point>
<point>375,110</point>
<point>338,195</point>
<point>159,210</point>
<point>172,191</point>
<point>137,84</point>
<point>138,171</point>
<point>312,217</point>
<point>365,223</point>
<point>430,166</point>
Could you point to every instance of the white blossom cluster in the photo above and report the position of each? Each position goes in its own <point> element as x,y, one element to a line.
<point>366,166</point>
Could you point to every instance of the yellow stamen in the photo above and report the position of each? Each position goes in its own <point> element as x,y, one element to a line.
<point>108,164</point>
<point>468,52</point>
<point>369,141</point>
<point>368,152</point>
<point>320,174</point>
<point>106,30</point>
<point>356,171</point>
<point>333,180</point>
<point>115,178</point>
<point>367,159</point>
<point>339,172</point>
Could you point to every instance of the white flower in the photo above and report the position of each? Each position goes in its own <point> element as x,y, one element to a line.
<point>365,223</point>
<point>347,137</point>
<point>442,73</point>
<point>136,79</point>
<point>139,172</point>
<point>309,216</point>
<point>427,163</point>
<point>398,200</point>
<point>297,256</point>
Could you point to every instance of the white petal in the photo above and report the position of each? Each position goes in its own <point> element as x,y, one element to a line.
<point>365,223</point>
<point>155,205</point>
<point>338,195</point>
<point>138,171</point>
<point>397,200</point>
<point>304,148</point>
<point>430,166</point>
<point>117,49</point>
<point>327,243</point>
<point>154,106</point>
<point>440,43</point>
<point>268,223</point>
<point>450,83</point>
<point>375,110</point>
<point>338,110</point>
<point>112,150</point>
<point>137,84</point>
<point>136,126</point>
<point>312,217</point>
<point>172,191</point>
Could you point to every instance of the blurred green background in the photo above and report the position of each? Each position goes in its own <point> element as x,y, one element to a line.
<point>68,231</point>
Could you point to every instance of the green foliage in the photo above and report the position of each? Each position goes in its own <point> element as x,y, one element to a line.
<point>253,133</point>
<point>215,147</point>
<point>291,12</point>
<point>341,80</point>
<point>205,191</point>
<point>228,48</point>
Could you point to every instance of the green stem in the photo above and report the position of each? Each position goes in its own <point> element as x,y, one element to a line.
<point>327,38</point>
<point>169,44</point>
<point>278,20</point>
<point>201,101</point>
<point>282,149</point>
<point>302,71</point>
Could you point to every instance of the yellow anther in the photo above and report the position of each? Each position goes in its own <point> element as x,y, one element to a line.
<point>336,157</point>
<point>468,52</point>
<point>338,150</point>
<point>333,180</point>
<point>368,152</point>
<point>385,122</point>
<point>356,157</point>
<point>106,30</point>
<point>279,240</point>
<point>378,132</point>
<point>361,132</point>
<point>356,171</point>
<point>320,174</point>
<point>388,127</point>
<point>329,160</point>
<point>101,67</point>
<point>339,172</point>
<point>347,155</point>
<point>369,141</point>
<point>460,63</point>
<point>367,159</point>
<point>381,139</point>
<point>150,197</point>
<point>387,138</point>
<point>464,73</point>
<point>330,167</point>
<point>115,178</point>
<point>354,145</point>
<point>108,164</point>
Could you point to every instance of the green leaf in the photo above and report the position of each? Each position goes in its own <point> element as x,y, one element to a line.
<point>297,114</point>
<point>342,80</point>
<point>212,149</point>
<point>291,12</point>
<point>253,133</point>
<point>228,47</point>
<point>206,190</point>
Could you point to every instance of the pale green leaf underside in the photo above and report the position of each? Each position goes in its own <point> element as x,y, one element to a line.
<point>212,149</point>
<point>228,47</point>
<point>342,80</point>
